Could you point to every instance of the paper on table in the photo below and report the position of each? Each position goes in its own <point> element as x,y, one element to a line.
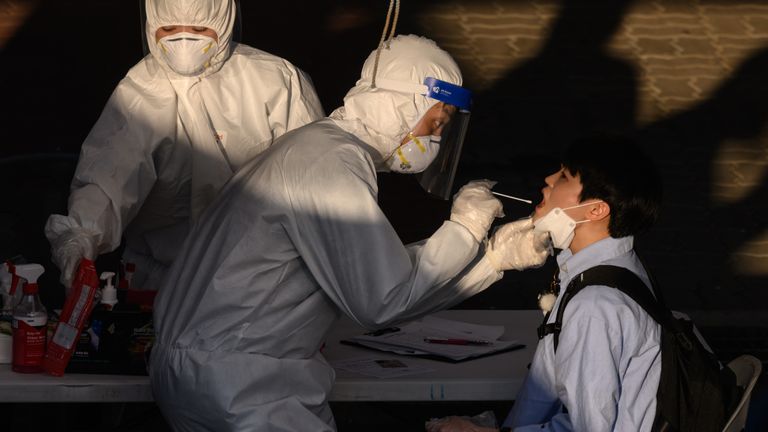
<point>379,367</point>
<point>409,339</point>
<point>391,348</point>
<point>459,329</point>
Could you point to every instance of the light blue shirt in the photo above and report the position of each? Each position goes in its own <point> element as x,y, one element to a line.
<point>608,362</point>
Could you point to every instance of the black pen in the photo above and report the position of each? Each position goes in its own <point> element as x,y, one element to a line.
<point>451,341</point>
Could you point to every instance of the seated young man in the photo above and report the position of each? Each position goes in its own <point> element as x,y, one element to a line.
<point>606,370</point>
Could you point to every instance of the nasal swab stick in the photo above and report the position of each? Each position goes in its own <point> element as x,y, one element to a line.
<point>511,197</point>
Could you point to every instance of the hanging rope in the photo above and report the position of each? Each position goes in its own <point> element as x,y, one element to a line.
<point>393,5</point>
<point>394,22</point>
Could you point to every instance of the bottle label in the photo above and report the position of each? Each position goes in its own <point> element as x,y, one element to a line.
<point>28,341</point>
<point>84,301</point>
<point>66,335</point>
<point>32,321</point>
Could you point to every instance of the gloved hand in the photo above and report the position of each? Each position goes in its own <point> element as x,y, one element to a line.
<point>475,207</point>
<point>516,246</point>
<point>68,248</point>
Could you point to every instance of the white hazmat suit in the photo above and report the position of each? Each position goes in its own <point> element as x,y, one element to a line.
<point>166,143</point>
<point>295,239</point>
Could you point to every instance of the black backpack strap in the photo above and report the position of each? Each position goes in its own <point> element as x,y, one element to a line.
<point>545,329</point>
<point>615,277</point>
<point>553,289</point>
<point>555,327</point>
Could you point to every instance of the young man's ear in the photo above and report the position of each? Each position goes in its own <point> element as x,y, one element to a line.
<point>598,211</point>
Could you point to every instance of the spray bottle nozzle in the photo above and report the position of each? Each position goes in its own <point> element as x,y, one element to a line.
<point>30,272</point>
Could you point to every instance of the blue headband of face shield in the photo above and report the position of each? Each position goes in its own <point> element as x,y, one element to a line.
<point>449,93</point>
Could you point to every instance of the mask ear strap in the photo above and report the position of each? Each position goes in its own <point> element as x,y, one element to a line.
<point>583,205</point>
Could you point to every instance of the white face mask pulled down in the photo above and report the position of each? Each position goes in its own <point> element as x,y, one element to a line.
<point>559,225</point>
<point>415,155</point>
<point>188,54</point>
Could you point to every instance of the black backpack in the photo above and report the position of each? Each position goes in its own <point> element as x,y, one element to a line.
<point>695,393</point>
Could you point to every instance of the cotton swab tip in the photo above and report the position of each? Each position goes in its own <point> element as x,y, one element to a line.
<point>512,197</point>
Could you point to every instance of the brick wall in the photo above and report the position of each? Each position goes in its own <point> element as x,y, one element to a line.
<point>689,78</point>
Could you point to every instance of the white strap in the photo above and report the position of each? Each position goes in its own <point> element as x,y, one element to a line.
<point>399,86</point>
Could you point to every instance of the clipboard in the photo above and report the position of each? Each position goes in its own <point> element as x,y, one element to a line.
<point>417,339</point>
<point>437,357</point>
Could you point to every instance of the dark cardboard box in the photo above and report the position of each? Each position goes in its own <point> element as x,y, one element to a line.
<point>114,342</point>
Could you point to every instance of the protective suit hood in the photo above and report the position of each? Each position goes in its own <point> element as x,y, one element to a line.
<point>218,15</point>
<point>381,117</point>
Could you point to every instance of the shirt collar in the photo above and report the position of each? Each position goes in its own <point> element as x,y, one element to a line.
<point>571,264</point>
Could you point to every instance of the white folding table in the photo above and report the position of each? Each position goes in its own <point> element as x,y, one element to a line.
<point>496,377</point>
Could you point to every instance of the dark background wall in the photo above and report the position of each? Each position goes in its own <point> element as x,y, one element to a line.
<point>687,78</point>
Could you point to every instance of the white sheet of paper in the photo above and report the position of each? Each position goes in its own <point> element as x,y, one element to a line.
<point>460,329</point>
<point>379,367</point>
<point>410,338</point>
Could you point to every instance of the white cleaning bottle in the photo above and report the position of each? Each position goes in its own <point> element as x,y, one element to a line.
<point>108,293</point>
<point>6,279</point>
<point>10,288</point>
<point>6,313</point>
<point>29,323</point>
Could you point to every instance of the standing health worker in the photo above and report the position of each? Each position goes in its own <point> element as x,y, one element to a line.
<point>297,238</point>
<point>175,129</point>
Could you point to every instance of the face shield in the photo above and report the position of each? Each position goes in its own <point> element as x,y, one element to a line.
<point>437,179</point>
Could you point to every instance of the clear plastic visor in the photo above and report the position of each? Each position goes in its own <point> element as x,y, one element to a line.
<point>438,178</point>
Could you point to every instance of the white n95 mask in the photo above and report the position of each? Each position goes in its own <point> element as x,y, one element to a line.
<point>559,225</point>
<point>188,54</point>
<point>415,155</point>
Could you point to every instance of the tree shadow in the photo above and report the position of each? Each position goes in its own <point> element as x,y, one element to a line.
<point>699,233</point>
<point>572,87</point>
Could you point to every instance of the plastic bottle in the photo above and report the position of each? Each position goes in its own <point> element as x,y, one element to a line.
<point>108,293</point>
<point>6,279</point>
<point>10,287</point>
<point>77,309</point>
<point>29,323</point>
<point>6,312</point>
<point>129,269</point>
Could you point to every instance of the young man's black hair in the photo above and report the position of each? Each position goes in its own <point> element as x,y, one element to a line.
<point>615,169</point>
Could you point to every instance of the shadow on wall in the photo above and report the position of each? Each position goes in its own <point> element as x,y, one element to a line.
<point>523,122</point>
<point>698,235</point>
<point>69,55</point>
<point>573,87</point>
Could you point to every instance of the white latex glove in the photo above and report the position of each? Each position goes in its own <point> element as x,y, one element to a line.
<point>516,246</point>
<point>68,249</point>
<point>475,207</point>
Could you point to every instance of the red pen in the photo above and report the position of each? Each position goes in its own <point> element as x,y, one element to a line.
<point>449,341</point>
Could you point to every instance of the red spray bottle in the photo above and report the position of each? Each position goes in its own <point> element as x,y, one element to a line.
<point>29,323</point>
<point>77,309</point>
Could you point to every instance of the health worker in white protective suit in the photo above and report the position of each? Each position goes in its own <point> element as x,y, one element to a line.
<point>297,238</point>
<point>175,129</point>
